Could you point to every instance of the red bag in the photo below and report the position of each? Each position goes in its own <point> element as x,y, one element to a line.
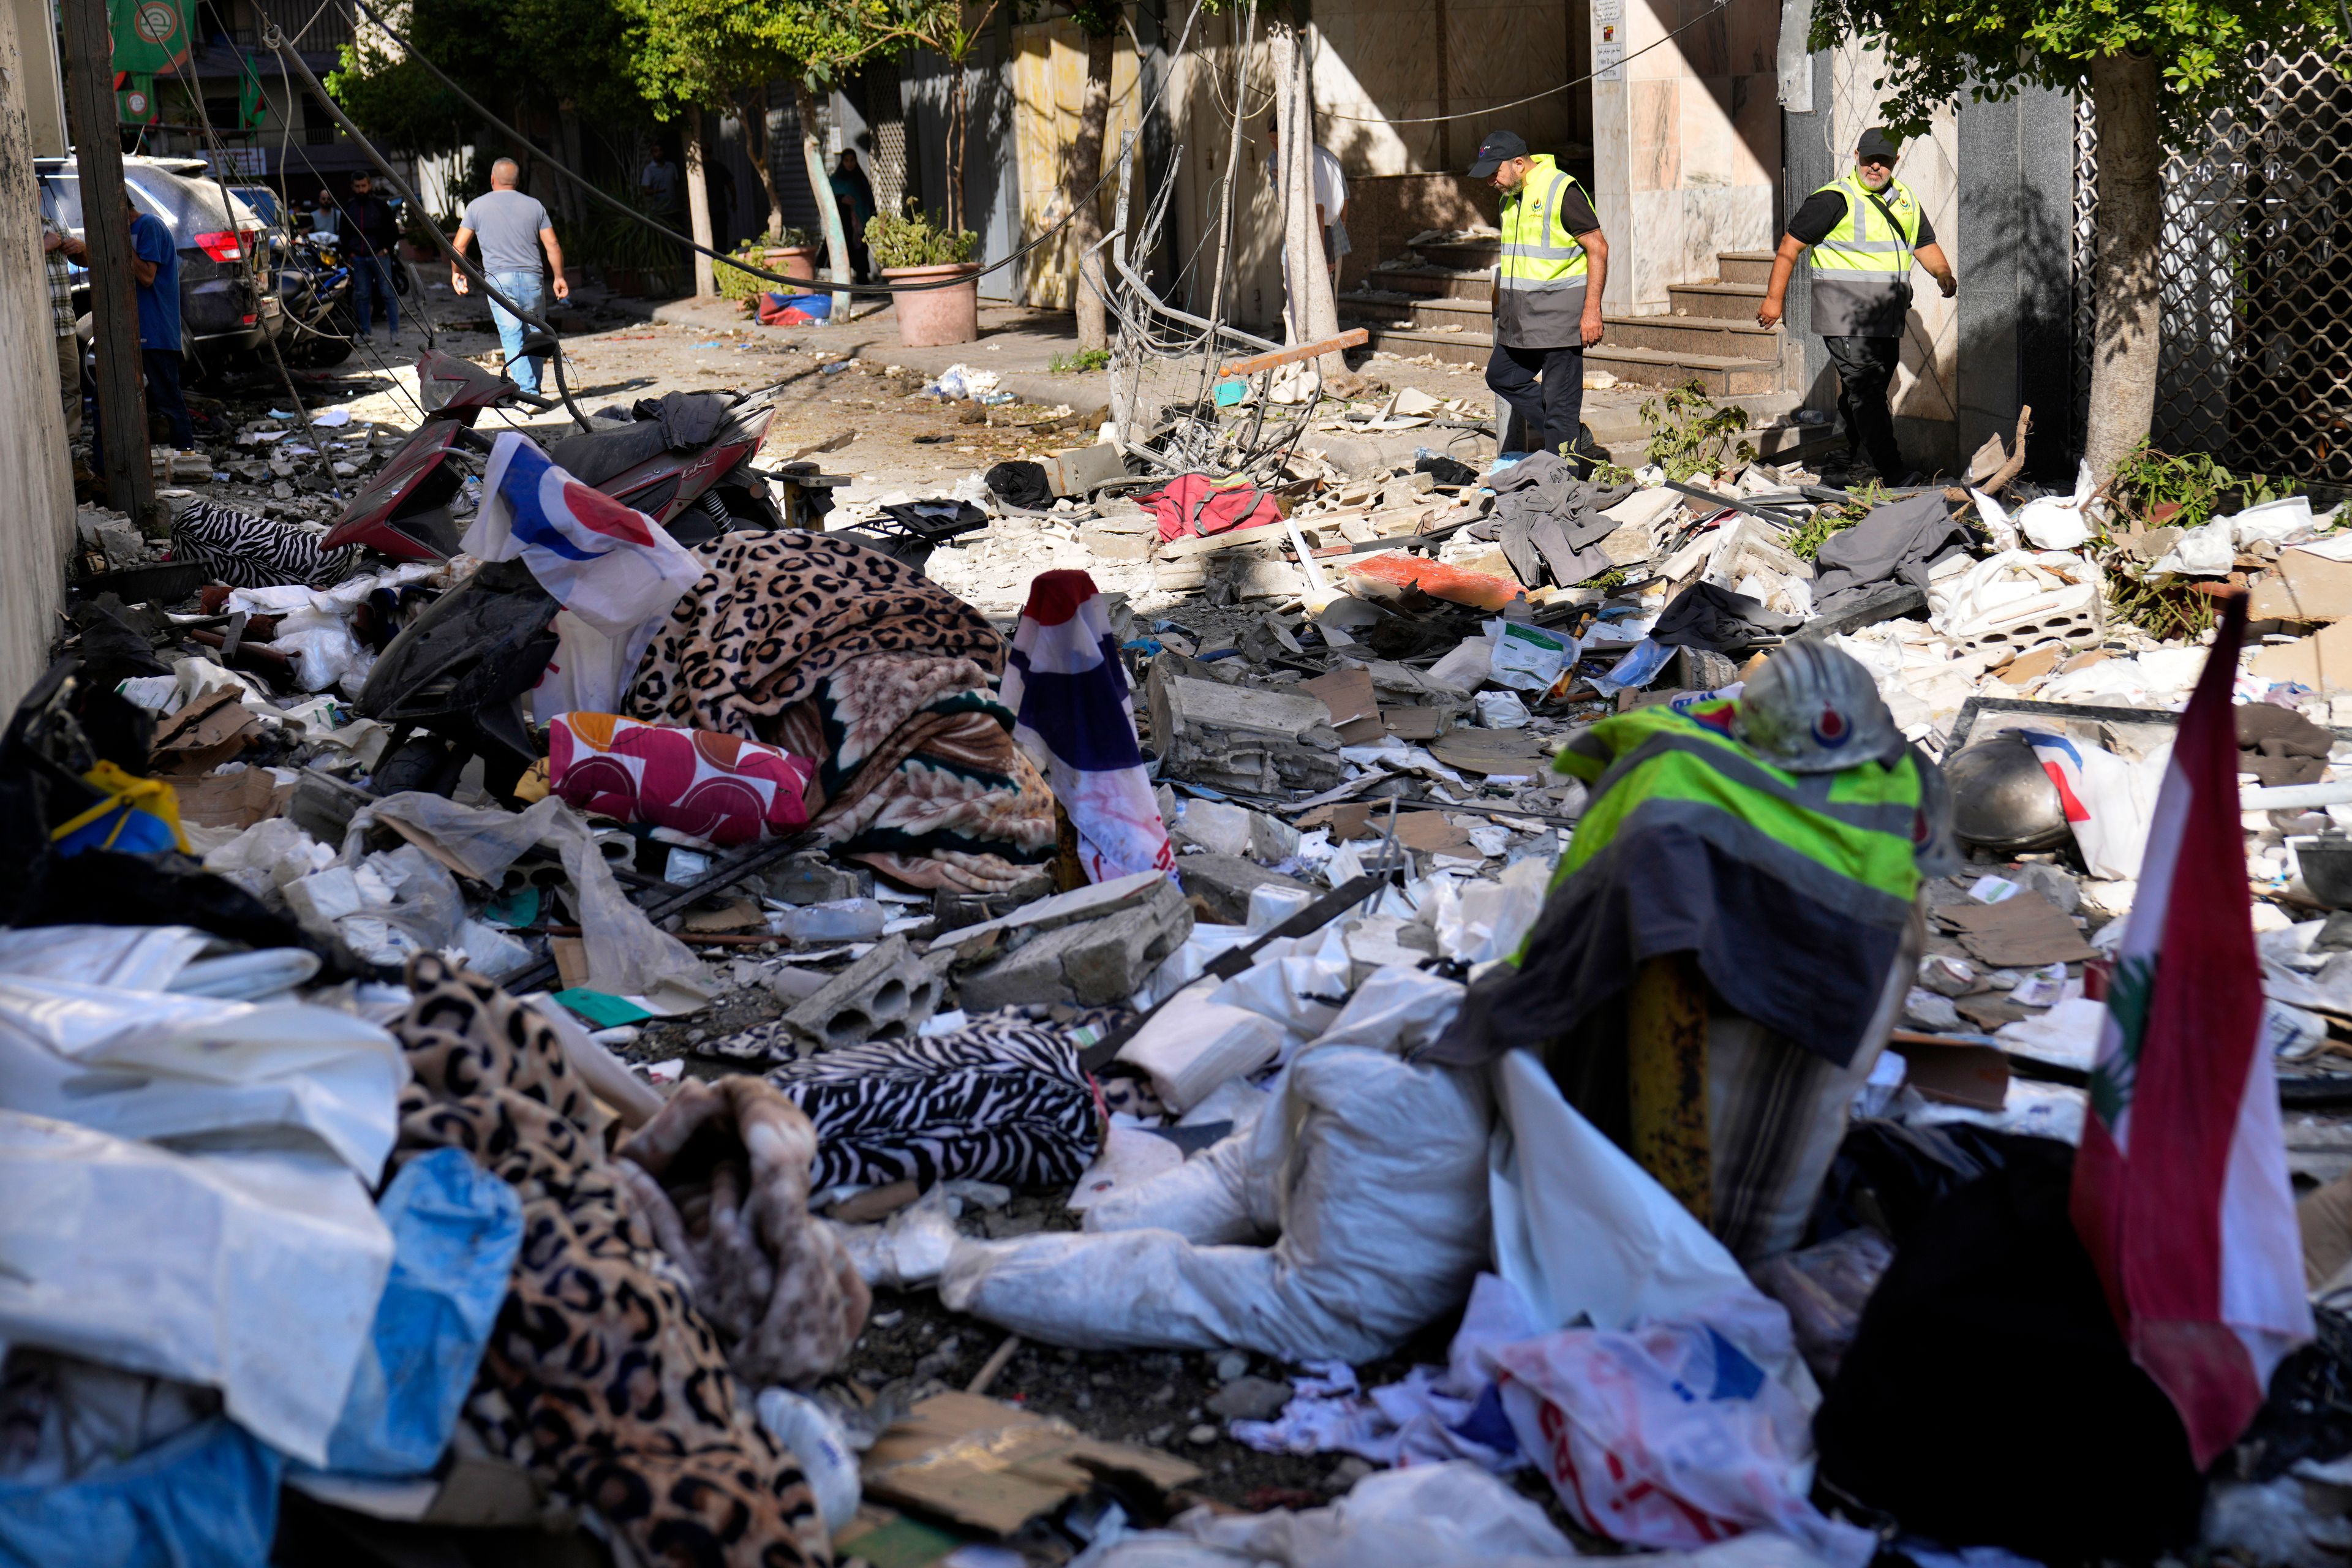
<point>1197,504</point>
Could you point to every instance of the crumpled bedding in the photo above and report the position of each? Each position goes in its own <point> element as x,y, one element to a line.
<point>838,653</point>
<point>721,1173</point>
<point>600,1378</point>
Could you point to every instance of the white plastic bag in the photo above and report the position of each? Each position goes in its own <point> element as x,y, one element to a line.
<point>1422,1517</point>
<point>2207,552</point>
<point>815,1436</point>
<point>2053,522</point>
<point>1584,1232</point>
<point>253,1274</point>
<point>1502,711</point>
<point>1374,1170</point>
<point>1488,920</point>
<point>1528,657</point>
<point>1669,1436</point>
<point>2109,802</point>
<point>149,1064</point>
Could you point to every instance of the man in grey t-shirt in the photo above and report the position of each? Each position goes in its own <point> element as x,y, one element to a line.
<point>514,228</point>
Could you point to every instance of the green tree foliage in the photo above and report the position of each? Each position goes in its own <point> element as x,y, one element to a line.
<point>2154,69</point>
<point>1938,50</point>
<point>516,56</point>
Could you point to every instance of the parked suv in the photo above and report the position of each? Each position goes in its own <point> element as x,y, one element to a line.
<point>224,309</point>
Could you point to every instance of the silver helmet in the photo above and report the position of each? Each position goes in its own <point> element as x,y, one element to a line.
<point>2003,800</point>
<point>1814,709</point>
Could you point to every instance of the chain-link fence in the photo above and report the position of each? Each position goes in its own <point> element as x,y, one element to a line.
<point>2256,273</point>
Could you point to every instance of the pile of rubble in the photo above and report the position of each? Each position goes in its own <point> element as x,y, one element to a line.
<point>1105,906</point>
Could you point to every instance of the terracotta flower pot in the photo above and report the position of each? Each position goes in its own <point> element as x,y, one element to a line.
<point>937,316</point>
<point>792,260</point>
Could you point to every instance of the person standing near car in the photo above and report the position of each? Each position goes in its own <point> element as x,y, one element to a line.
<point>514,228</point>
<point>372,235</point>
<point>155,264</point>
<point>57,247</point>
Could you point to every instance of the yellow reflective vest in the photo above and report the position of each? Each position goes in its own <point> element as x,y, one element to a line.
<point>1540,283</point>
<point>1862,268</point>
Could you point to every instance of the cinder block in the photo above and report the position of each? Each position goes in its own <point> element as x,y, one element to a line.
<point>1089,965</point>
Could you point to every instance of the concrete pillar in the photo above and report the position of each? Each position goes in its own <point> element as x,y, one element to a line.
<point>35,486</point>
<point>41,86</point>
<point>1686,140</point>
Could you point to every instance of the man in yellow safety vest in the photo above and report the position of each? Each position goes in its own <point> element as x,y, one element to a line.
<point>1548,287</point>
<point>1865,229</point>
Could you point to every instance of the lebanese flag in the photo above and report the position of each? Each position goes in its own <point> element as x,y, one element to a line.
<point>2180,1188</point>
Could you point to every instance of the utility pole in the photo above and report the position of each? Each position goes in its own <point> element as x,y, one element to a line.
<point>698,203</point>
<point>106,230</point>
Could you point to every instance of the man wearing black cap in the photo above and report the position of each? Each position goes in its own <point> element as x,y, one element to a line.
<point>1865,229</point>
<point>1548,287</point>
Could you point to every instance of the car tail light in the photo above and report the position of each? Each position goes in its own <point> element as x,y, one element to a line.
<point>246,320</point>
<point>221,244</point>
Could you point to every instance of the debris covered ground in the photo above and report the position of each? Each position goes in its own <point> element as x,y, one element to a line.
<point>1016,1006</point>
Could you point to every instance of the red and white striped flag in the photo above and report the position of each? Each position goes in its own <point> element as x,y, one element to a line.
<point>2180,1188</point>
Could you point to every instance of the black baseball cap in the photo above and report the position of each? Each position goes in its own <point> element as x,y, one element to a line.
<point>1500,148</point>
<point>1876,143</point>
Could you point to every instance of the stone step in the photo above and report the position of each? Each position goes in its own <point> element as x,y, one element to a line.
<point>1721,301</point>
<point>1721,375</point>
<point>1432,282</point>
<point>1461,254</point>
<point>1744,265</point>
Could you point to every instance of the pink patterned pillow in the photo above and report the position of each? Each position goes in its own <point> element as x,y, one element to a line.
<point>719,787</point>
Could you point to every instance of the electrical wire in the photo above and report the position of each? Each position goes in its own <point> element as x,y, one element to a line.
<point>800,284</point>
<point>1715,10</point>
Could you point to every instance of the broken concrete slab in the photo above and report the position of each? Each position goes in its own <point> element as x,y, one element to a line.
<point>2322,661</point>
<point>813,877</point>
<point>1242,739</point>
<point>2302,587</point>
<point>1212,826</point>
<point>1223,883</point>
<point>1091,963</point>
<point>1039,914</point>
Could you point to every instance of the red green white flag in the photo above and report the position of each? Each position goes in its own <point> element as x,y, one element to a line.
<point>2180,1191</point>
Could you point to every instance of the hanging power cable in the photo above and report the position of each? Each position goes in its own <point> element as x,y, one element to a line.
<point>271,39</point>
<point>599,194</point>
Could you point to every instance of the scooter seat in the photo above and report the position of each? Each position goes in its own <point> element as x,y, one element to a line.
<point>592,456</point>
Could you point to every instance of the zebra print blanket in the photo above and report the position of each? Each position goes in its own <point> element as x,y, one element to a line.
<point>249,551</point>
<point>1001,1100</point>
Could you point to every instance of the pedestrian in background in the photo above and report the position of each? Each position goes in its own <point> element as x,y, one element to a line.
<point>372,233</point>
<point>155,269</point>
<point>57,247</point>
<point>853,193</point>
<point>514,228</point>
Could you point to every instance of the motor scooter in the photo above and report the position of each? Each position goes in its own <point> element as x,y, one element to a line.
<point>696,494</point>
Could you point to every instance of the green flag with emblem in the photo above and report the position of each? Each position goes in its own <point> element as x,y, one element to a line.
<point>150,37</point>
<point>252,108</point>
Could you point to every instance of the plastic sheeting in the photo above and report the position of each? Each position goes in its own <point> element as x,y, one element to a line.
<point>151,1064</point>
<point>1584,1233</point>
<point>627,955</point>
<point>456,1229</point>
<point>205,1495</point>
<point>136,958</point>
<point>114,1251</point>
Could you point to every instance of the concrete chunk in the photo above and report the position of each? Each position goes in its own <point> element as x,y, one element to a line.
<point>1223,883</point>
<point>885,996</point>
<point>1241,739</point>
<point>1092,964</point>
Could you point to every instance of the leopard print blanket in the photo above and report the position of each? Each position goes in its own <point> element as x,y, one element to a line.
<point>838,653</point>
<point>600,1378</point>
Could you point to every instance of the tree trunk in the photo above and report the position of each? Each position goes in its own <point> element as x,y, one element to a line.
<point>1305,279</point>
<point>2125,353</point>
<point>752,109</point>
<point>698,204</point>
<point>955,152</point>
<point>1085,170</point>
<point>836,242</point>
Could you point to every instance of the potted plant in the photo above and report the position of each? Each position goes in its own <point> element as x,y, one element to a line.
<point>914,250</point>
<point>791,251</point>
